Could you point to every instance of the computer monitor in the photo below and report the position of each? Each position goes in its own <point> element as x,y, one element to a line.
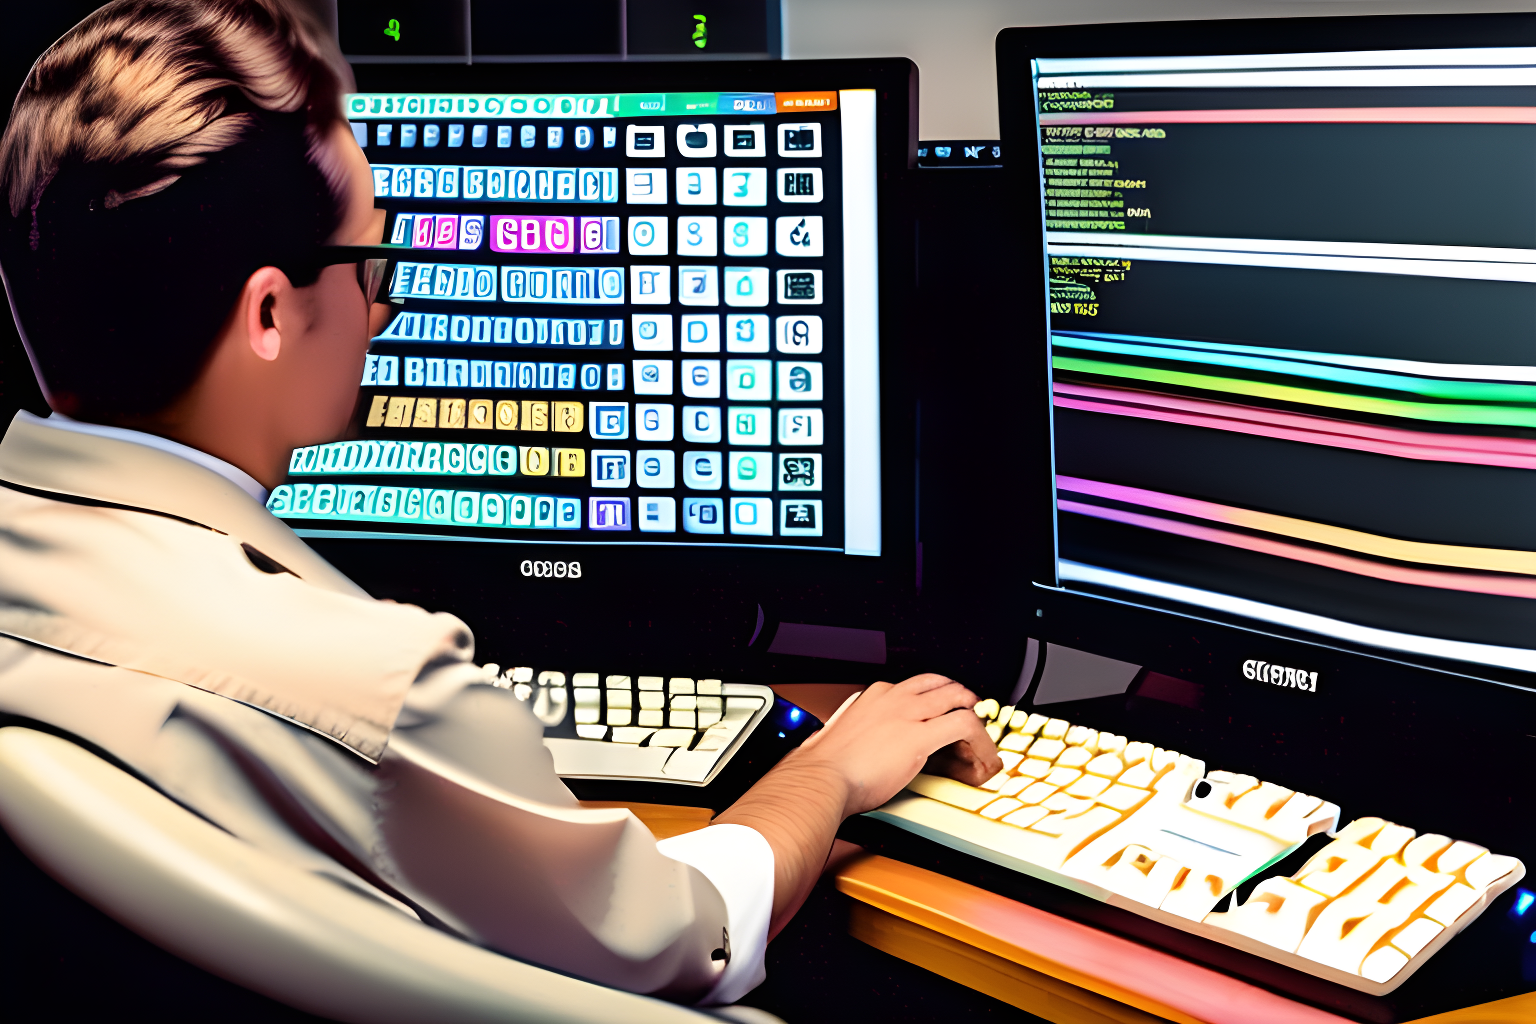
<point>1290,370</point>
<point>1272,347</point>
<point>639,411</point>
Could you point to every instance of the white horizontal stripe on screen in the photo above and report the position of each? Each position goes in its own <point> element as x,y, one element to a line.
<point>1464,269</point>
<point>1491,56</point>
<point>1337,78</point>
<point>1454,650</point>
<point>1381,250</point>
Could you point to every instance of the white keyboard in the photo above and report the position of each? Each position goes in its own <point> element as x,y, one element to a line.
<point>646,728</point>
<point>1151,831</point>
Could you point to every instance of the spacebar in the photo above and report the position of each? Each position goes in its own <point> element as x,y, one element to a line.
<point>607,760</point>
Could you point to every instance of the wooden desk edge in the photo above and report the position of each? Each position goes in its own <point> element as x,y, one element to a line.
<point>1107,965</point>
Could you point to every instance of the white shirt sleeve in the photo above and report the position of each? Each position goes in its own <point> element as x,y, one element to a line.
<point>738,861</point>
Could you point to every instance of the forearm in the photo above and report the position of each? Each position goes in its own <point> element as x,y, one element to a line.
<point>797,807</point>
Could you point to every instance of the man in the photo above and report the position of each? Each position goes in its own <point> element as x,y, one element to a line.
<point>171,170</point>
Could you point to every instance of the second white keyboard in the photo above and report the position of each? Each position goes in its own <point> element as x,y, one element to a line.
<point>650,728</point>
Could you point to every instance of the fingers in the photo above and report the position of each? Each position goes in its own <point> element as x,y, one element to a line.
<point>971,757</point>
<point>960,725</point>
<point>921,697</point>
<point>924,682</point>
<point>943,699</point>
<point>962,764</point>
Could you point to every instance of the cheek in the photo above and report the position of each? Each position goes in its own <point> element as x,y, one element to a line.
<point>344,321</point>
<point>338,347</point>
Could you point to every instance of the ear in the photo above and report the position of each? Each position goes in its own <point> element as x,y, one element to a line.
<point>263,290</point>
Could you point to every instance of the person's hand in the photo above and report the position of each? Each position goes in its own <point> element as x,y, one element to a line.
<point>881,738</point>
<point>966,761</point>
<point>878,740</point>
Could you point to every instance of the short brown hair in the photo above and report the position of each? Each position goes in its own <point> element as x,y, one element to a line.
<point>139,96</point>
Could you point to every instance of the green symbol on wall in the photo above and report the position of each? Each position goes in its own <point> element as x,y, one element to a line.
<point>393,29</point>
<point>700,33</point>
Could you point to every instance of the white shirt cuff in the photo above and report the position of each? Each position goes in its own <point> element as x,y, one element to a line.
<point>739,863</point>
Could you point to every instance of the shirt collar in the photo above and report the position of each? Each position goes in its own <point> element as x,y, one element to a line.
<point>234,474</point>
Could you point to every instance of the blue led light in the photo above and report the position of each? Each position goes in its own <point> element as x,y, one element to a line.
<point>1533,936</point>
<point>1523,901</point>
<point>794,716</point>
<point>781,736</point>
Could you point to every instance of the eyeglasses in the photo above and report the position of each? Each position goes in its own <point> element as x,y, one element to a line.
<point>372,267</point>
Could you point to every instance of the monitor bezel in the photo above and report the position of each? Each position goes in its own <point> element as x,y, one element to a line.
<point>648,572</point>
<point>1016,49</point>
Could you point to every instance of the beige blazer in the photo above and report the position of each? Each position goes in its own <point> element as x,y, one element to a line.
<point>151,607</point>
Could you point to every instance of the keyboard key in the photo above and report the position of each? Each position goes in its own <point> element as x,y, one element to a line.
<point>588,706</point>
<point>1488,869</point>
<point>1107,765</point>
<point>550,704</point>
<point>1034,767</point>
<point>620,758</point>
<point>1037,793</point>
<point>956,794</point>
<point>672,738</point>
<point>1049,750</point>
<point>691,765</point>
<point>1024,817</point>
<point>634,734</point>
<point>1074,757</point>
<point>997,808</point>
<point>1088,787</point>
